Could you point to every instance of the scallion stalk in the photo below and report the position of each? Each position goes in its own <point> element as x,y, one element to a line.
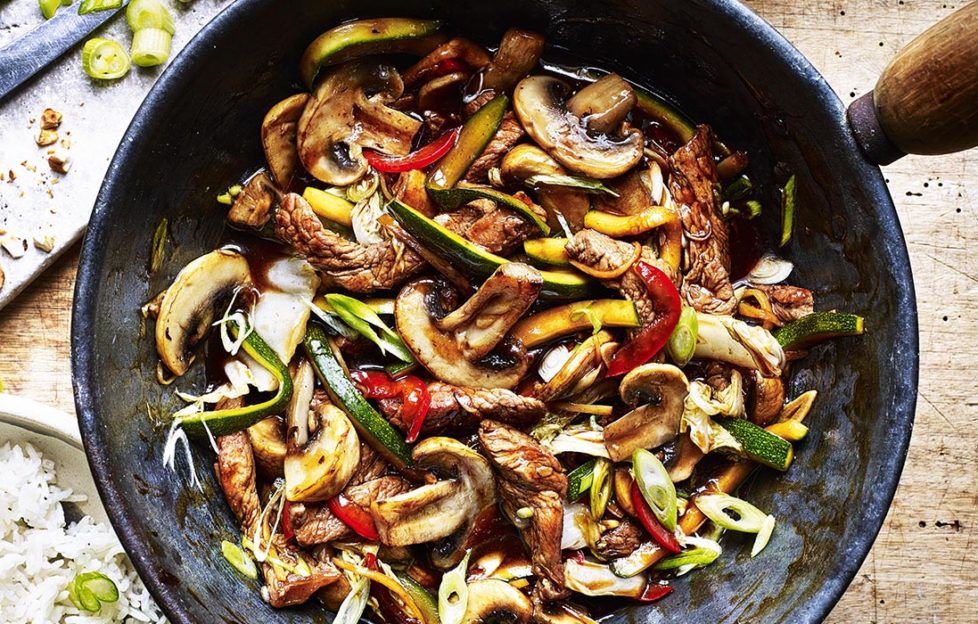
<point>49,7</point>
<point>142,14</point>
<point>745,518</point>
<point>239,559</point>
<point>88,590</point>
<point>682,343</point>
<point>104,59</point>
<point>361,317</point>
<point>91,6</point>
<point>600,487</point>
<point>787,211</point>
<point>656,487</point>
<point>150,47</point>
<point>453,593</point>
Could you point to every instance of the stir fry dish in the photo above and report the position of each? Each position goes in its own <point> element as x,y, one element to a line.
<point>492,337</point>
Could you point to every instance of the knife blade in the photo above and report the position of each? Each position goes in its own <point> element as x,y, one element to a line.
<point>32,52</point>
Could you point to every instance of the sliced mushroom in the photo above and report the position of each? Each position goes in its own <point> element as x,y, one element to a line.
<point>487,524</point>
<point>435,511</point>
<point>595,579</point>
<point>268,443</point>
<point>481,322</point>
<point>603,104</point>
<point>657,392</point>
<point>519,52</point>
<point>348,112</point>
<point>278,138</point>
<point>768,399</point>
<point>437,90</point>
<point>493,601</point>
<point>540,103</point>
<point>253,206</point>
<point>446,348</point>
<point>586,363</point>
<point>320,459</point>
<point>187,309</point>
<point>525,161</point>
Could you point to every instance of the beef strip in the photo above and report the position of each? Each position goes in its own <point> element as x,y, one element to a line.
<point>344,264</point>
<point>620,541</point>
<point>693,176</point>
<point>510,133</point>
<point>458,408</point>
<point>789,303</point>
<point>499,230</point>
<point>236,473</point>
<point>314,523</point>
<point>529,476</point>
<point>604,253</point>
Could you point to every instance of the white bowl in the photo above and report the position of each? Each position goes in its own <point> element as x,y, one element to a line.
<point>55,434</point>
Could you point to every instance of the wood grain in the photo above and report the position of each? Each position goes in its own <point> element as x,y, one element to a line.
<point>924,566</point>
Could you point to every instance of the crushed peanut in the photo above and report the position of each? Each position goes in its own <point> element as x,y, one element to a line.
<point>1,278</point>
<point>14,245</point>
<point>50,119</point>
<point>59,162</point>
<point>44,241</point>
<point>46,137</point>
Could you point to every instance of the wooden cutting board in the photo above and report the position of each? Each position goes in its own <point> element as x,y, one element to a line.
<point>924,566</point>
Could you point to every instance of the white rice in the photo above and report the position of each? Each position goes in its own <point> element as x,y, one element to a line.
<point>39,555</point>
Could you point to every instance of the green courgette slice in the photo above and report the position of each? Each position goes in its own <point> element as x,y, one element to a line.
<point>472,141</point>
<point>818,327</point>
<point>379,433</point>
<point>552,251</point>
<point>758,444</point>
<point>452,198</point>
<point>365,37</point>
<point>477,261</point>
<point>223,422</point>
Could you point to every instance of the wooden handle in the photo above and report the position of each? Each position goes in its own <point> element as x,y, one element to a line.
<point>926,100</point>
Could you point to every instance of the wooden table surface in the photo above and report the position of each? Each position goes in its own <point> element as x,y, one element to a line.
<point>924,566</point>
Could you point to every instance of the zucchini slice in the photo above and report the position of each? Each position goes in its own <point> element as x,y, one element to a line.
<point>379,433</point>
<point>472,141</point>
<point>477,261</point>
<point>452,198</point>
<point>758,444</point>
<point>818,327</point>
<point>365,37</point>
<point>552,251</point>
<point>558,321</point>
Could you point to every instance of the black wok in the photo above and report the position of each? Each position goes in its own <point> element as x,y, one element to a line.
<point>198,130</point>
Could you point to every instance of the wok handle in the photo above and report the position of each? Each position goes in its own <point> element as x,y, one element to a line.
<point>926,100</point>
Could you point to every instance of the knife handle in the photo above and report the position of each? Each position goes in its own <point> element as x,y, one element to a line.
<point>926,100</point>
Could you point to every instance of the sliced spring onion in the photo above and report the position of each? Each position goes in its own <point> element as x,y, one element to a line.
<point>150,47</point>
<point>141,14</point>
<point>104,59</point>
<point>697,557</point>
<point>656,487</point>
<point>739,188</point>
<point>361,317</point>
<point>159,245</point>
<point>745,518</point>
<point>600,487</point>
<point>576,182</point>
<point>48,9</point>
<point>763,536</point>
<point>363,189</point>
<point>355,602</point>
<point>239,560</point>
<point>453,593</point>
<point>787,211</point>
<point>770,269</point>
<point>88,590</point>
<point>579,480</point>
<point>682,343</point>
<point>91,6</point>
<point>754,208</point>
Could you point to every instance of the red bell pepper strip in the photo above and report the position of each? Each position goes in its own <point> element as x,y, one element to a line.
<point>654,591</point>
<point>418,159</point>
<point>662,537</point>
<point>287,531</point>
<point>414,395</point>
<point>354,517</point>
<point>651,338</point>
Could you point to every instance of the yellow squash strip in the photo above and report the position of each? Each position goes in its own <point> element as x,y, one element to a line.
<point>386,581</point>
<point>567,319</point>
<point>630,225</point>
<point>329,206</point>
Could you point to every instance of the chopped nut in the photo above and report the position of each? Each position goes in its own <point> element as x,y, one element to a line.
<point>11,175</point>
<point>46,137</point>
<point>59,162</point>
<point>14,245</point>
<point>44,241</point>
<point>1,278</point>
<point>50,119</point>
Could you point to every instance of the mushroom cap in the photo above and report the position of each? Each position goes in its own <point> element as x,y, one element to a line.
<point>348,112</point>
<point>595,579</point>
<point>278,137</point>
<point>435,511</point>
<point>440,351</point>
<point>540,104</point>
<point>657,392</point>
<point>187,309</point>
<point>494,601</point>
<point>319,466</point>
<point>268,443</point>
